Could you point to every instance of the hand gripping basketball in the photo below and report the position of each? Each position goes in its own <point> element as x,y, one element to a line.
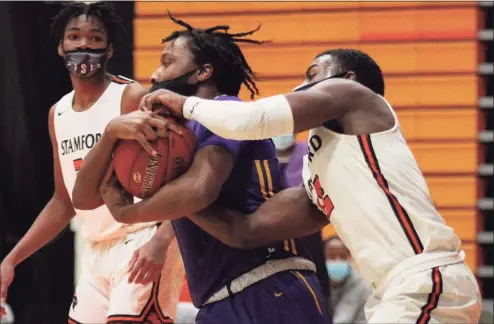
<point>171,100</point>
<point>142,126</point>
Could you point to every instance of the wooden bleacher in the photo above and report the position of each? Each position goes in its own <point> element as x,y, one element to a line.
<point>427,50</point>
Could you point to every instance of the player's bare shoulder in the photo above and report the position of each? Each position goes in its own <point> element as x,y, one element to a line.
<point>132,95</point>
<point>51,119</point>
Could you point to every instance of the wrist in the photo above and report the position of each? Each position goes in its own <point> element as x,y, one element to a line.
<point>12,258</point>
<point>164,238</point>
<point>109,133</point>
<point>189,106</point>
<point>161,241</point>
<point>165,233</point>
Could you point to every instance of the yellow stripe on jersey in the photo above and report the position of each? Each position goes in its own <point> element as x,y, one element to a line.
<point>294,248</point>
<point>260,174</point>
<point>268,176</point>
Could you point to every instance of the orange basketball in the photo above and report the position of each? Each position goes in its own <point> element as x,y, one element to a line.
<point>142,174</point>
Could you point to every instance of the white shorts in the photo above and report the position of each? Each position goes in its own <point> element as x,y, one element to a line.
<point>446,294</point>
<point>103,294</point>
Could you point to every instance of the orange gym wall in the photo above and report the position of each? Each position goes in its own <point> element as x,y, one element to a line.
<point>428,52</point>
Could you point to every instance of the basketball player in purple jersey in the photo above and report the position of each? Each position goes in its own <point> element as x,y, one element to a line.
<point>272,284</point>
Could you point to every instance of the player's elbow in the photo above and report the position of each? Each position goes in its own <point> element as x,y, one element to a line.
<point>248,236</point>
<point>85,202</point>
<point>240,240</point>
<point>245,243</point>
<point>204,194</point>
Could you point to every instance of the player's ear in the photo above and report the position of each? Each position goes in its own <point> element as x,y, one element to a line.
<point>60,49</point>
<point>205,72</point>
<point>351,76</point>
<point>109,51</point>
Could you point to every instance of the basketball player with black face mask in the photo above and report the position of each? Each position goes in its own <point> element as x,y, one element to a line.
<point>274,284</point>
<point>122,264</point>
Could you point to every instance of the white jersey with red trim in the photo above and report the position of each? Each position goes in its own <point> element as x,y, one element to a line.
<point>76,133</point>
<point>373,192</point>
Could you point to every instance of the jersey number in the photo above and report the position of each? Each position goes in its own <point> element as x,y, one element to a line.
<point>323,202</point>
<point>77,164</point>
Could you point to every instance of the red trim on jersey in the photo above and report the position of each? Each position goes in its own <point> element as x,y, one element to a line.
<point>401,214</point>
<point>118,80</point>
<point>433,298</point>
<point>73,321</point>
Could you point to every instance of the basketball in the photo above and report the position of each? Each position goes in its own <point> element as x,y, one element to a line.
<point>142,174</point>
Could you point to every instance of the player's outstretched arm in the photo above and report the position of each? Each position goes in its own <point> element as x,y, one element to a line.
<point>51,221</point>
<point>85,194</point>
<point>269,117</point>
<point>195,190</point>
<point>288,214</point>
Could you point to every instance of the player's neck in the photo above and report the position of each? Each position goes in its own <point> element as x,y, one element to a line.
<point>207,92</point>
<point>88,91</point>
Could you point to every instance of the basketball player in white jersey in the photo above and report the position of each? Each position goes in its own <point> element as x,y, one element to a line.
<point>361,176</point>
<point>110,290</point>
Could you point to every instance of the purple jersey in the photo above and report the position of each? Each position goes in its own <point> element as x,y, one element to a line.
<point>255,177</point>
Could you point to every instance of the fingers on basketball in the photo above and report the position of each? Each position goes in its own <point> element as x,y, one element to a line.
<point>145,144</point>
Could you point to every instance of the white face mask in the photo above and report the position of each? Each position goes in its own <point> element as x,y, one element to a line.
<point>283,142</point>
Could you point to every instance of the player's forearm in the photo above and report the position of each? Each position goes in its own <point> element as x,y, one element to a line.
<point>175,200</point>
<point>238,120</point>
<point>51,221</point>
<point>288,214</point>
<point>225,225</point>
<point>85,194</point>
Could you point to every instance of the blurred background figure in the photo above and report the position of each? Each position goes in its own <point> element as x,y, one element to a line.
<point>290,154</point>
<point>348,291</point>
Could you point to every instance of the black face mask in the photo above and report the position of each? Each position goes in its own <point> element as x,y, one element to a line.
<point>178,85</point>
<point>310,85</point>
<point>85,63</point>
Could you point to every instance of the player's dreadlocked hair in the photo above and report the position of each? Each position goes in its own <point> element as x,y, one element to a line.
<point>217,47</point>
<point>367,71</point>
<point>104,11</point>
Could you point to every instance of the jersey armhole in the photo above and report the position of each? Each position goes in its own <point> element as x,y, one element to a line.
<point>121,79</point>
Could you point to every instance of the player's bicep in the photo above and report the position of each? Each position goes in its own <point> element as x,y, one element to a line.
<point>60,192</point>
<point>286,215</point>
<point>209,171</point>
<point>131,97</point>
<point>328,100</point>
